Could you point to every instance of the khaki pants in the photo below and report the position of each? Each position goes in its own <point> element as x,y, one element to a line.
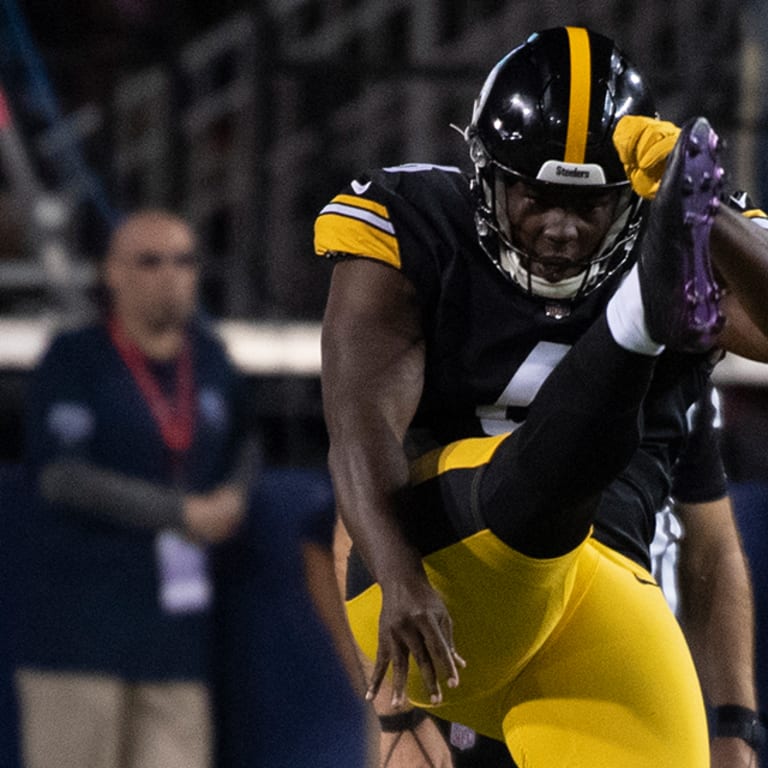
<point>72,720</point>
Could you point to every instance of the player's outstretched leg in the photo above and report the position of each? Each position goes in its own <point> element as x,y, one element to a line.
<point>680,294</point>
<point>544,473</point>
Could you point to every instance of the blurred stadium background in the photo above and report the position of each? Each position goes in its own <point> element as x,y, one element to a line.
<point>247,116</point>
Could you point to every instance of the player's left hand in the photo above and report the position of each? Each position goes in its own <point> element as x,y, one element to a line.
<point>643,144</point>
<point>414,621</point>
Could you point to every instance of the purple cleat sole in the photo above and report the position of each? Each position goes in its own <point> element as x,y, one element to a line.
<point>701,186</point>
<point>680,293</point>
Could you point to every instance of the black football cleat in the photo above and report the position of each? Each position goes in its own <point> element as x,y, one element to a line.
<point>680,294</point>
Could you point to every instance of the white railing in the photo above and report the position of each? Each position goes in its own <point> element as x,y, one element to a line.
<point>276,349</point>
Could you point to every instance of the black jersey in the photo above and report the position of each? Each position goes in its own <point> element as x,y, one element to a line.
<point>489,345</point>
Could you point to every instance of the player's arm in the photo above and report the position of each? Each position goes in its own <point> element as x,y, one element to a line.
<point>320,577</point>
<point>402,737</point>
<point>372,379</point>
<point>715,594</point>
<point>716,613</point>
<point>740,253</point>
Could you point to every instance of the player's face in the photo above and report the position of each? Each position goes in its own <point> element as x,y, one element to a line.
<point>559,228</point>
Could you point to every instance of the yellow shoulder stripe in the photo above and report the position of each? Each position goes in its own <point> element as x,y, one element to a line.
<point>463,454</point>
<point>356,225</point>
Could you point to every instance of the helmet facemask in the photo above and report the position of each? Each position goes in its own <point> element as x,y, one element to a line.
<point>515,263</point>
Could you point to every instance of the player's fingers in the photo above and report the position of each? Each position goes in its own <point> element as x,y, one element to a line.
<point>399,675</point>
<point>437,658</point>
<point>446,627</point>
<point>425,661</point>
<point>379,670</point>
<point>443,649</point>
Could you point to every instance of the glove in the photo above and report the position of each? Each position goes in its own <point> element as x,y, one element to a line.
<point>643,144</point>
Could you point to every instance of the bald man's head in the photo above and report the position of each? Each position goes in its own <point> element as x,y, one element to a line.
<point>150,230</point>
<point>151,271</point>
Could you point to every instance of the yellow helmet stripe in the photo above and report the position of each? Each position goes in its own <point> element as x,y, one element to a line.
<point>581,81</point>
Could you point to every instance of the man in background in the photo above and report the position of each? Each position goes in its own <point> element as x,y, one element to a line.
<point>137,461</point>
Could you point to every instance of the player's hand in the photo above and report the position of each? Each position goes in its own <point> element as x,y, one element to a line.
<point>643,144</point>
<point>422,747</point>
<point>414,621</point>
<point>214,517</point>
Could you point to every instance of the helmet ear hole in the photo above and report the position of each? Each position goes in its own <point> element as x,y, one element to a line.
<point>477,153</point>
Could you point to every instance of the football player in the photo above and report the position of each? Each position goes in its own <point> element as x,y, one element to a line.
<point>490,345</point>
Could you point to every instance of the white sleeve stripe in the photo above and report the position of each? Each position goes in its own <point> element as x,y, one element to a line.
<point>417,167</point>
<point>358,213</point>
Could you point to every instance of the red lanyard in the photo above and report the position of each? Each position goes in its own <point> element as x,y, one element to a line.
<point>175,416</point>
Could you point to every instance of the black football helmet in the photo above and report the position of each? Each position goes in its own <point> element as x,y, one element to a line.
<point>546,115</point>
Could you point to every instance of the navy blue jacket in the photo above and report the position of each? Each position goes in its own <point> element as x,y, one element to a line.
<point>91,586</point>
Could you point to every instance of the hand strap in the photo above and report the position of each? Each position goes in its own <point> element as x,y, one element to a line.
<point>402,721</point>
<point>732,720</point>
